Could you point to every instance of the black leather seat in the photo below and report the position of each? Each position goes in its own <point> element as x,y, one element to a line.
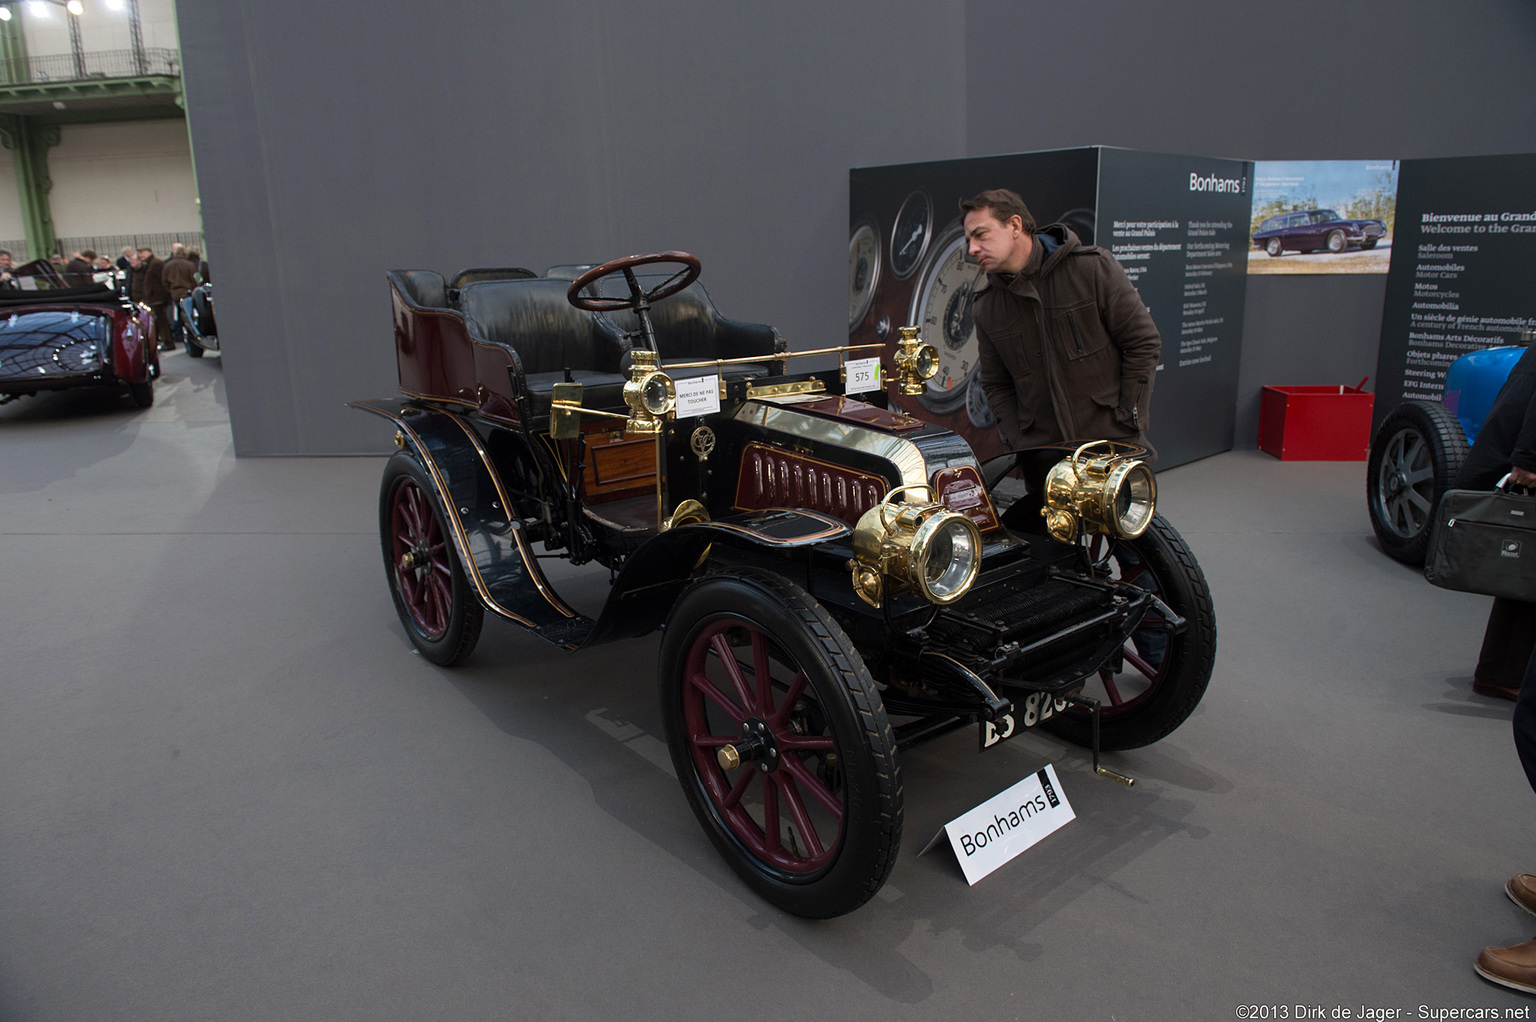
<point>546,335</point>
<point>689,327</point>
<point>424,288</point>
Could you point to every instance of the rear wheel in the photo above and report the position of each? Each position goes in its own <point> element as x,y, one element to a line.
<point>1415,455</point>
<point>1155,682</point>
<point>781,742</point>
<point>431,593</point>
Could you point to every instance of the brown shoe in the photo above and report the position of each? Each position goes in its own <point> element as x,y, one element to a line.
<point>1483,688</point>
<point>1513,966</point>
<point>1522,891</point>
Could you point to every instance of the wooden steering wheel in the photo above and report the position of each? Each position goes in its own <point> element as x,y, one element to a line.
<point>639,298</point>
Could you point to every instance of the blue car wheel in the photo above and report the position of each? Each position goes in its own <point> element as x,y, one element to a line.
<point>1415,455</point>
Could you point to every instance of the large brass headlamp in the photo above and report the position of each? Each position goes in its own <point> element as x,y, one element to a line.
<point>922,547</point>
<point>649,393</point>
<point>1104,488</point>
<point>916,362</point>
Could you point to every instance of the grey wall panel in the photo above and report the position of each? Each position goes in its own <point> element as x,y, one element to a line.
<point>1305,331</point>
<point>335,142</point>
<point>1293,79</point>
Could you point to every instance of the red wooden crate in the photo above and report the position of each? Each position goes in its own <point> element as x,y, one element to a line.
<point>1316,423</point>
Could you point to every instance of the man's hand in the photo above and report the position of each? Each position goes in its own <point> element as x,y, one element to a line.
<point>1522,477</point>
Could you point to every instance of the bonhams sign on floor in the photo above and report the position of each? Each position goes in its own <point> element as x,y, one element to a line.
<point>1006,824</point>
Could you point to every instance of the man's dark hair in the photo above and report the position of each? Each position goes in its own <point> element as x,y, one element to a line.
<point>1003,204</point>
<point>89,253</point>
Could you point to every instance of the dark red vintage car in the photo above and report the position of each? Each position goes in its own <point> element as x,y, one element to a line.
<point>54,337</point>
<point>837,581</point>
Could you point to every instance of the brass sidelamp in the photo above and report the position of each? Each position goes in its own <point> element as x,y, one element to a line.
<point>1104,487</point>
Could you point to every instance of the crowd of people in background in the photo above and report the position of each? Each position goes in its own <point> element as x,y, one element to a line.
<point>161,284</point>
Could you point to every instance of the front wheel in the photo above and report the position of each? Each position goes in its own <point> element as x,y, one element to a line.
<point>1415,456</point>
<point>1273,248</point>
<point>1337,242</point>
<point>143,394</point>
<point>781,742</point>
<point>1154,683</point>
<point>441,615</point>
<point>1368,244</point>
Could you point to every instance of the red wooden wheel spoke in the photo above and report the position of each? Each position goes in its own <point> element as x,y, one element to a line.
<point>780,718</point>
<point>805,743</point>
<point>739,788</point>
<point>1113,690</point>
<point>813,846</point>
<point>811,783</point>
<point>761,670</point>
<point>1136,572</point>
<point>771,840</point>
<point>1141,665</point>
<point>714,695</point>
<point>715,741</point>
<point>733,668</point>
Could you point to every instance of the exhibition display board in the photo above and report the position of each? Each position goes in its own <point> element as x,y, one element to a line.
<point>1178,224</point>
<point>1460,277</point>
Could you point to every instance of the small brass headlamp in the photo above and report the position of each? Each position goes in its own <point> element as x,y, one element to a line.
<point>916,362</point>
<point>923,547</point>
<point>1108,491</point>
<point>649,393</point>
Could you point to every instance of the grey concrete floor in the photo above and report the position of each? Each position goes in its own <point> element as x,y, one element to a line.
<point>229,790</point>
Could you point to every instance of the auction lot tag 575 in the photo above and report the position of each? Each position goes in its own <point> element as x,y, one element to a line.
<point>1007,823</point>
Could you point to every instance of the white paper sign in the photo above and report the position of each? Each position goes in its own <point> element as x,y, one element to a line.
<point>863,374</point>
<point>1007,823</point>
<point>698,395</point>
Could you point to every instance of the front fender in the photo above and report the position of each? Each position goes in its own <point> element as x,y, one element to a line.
<point>656,573</point>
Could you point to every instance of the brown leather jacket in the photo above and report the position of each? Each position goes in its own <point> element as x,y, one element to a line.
<point>180,277</point>
<point>1068,350</point>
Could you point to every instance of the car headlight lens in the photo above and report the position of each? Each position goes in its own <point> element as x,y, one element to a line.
<point>922,547</point>
<point>1110,492</point>
<point>658,393</point>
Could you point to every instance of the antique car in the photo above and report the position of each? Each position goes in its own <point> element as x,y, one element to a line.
<point>199,329</point>
<point>836,581</point>
<point>1419,447</point>
<point>1311,230</point>
<point>54,336</point>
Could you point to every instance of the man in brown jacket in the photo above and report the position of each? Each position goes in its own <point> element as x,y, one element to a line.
<point>1068,351</point>
<point>154,294</point>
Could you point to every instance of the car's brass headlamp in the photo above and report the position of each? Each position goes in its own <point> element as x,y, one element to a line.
<point>916,362</point>
<point>649,393</point>
<point>923,547</point>
<point>1110,491</point>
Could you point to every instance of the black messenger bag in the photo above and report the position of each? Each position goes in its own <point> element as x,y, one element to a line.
<point>1485,542</point>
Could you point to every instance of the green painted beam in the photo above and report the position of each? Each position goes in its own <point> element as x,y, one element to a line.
<point>29,143</point>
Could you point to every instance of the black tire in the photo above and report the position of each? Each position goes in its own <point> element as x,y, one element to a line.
<point>441,614</point>
<point>143,394</point>
<point>1415,455</point>
<point>194,349</point>
<point>1273,248</point>
<point>1146,697</point>
<point>1336,242</point>
<point>1369,243</point>
<point>832,777</point>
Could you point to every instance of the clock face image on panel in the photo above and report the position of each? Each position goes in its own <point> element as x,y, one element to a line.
<point>909,237</point>
<point>863,271</point>
<point>941,308</point>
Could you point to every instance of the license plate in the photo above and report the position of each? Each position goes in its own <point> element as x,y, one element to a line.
<point>1034,708</point>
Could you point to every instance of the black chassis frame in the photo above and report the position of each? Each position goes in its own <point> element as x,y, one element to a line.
<point>1041,618</point>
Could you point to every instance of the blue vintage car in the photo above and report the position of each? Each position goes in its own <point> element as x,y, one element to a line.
<point>1309,230</point>
<point>1419,448</point>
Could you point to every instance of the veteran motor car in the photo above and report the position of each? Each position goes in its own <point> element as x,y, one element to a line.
<point>836,580</point>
